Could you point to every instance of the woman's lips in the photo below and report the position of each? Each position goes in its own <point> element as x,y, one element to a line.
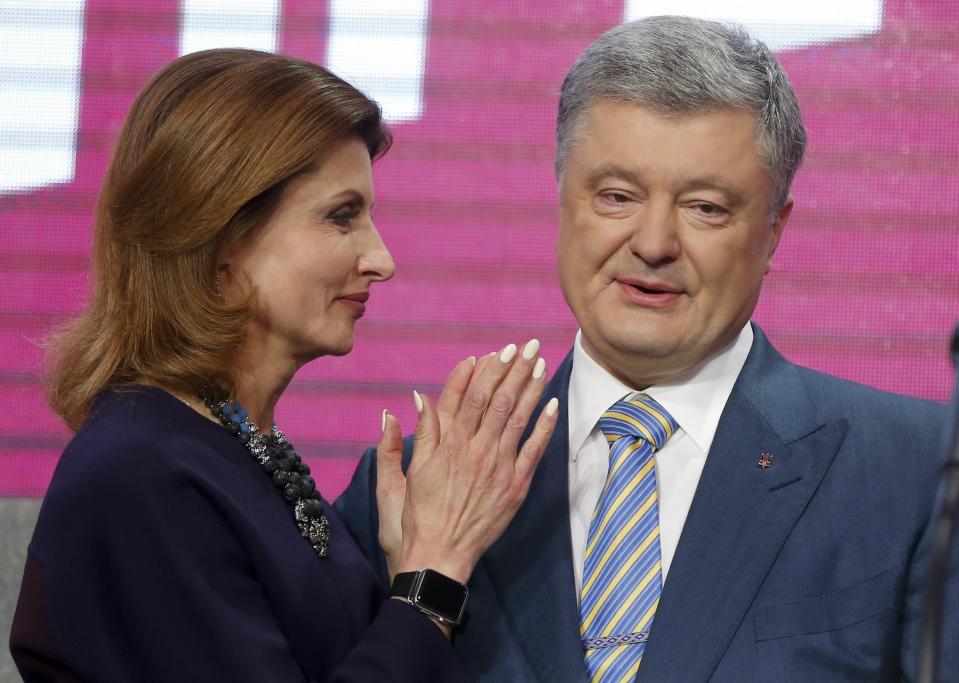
<point>355,302</point>
<point>648,295</point>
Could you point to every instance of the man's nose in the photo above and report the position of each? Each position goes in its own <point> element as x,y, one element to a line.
<point>655,237</point>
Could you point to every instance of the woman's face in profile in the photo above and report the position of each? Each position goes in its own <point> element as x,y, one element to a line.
<point>313,262</point>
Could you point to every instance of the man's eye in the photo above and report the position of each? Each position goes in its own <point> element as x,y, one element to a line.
<point>617,197</point>
<point>709,209</point>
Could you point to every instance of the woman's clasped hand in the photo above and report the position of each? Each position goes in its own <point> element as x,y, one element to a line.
<point>469,471</point>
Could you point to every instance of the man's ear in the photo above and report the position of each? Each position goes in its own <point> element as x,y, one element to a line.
<point>778,225</point>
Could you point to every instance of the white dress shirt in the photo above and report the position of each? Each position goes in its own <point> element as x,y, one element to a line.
<point>696,401</point>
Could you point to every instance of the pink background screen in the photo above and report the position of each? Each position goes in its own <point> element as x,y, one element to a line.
<point>865,284</point>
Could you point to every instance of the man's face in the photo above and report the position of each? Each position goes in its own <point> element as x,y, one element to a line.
<point>664,235</point>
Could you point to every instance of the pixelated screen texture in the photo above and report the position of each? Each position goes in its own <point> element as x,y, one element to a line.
<point>865,283</point>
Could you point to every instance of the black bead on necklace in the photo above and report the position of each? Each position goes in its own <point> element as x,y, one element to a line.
<point>287,470</point>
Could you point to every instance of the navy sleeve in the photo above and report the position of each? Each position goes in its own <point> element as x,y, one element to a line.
<point>137,577</point>
<point>140,576</point>
<point>357,507</point>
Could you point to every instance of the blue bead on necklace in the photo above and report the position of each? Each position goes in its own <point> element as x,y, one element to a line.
<point>284,466</point>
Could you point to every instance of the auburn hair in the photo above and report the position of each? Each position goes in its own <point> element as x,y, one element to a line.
<point>202,159</point>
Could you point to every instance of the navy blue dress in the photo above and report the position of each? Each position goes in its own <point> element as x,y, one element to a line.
<point>164,553</point>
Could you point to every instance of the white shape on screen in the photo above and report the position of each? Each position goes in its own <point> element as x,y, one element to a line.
<point>40,51</point>
<point>377,45</point>
<point>781,25</point>
<point>206,24</point>
<point>380,47</point>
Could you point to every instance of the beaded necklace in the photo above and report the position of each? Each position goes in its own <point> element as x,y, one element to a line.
<point>284,466</point>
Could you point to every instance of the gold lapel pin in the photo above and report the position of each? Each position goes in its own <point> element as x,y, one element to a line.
<point>765,461</point>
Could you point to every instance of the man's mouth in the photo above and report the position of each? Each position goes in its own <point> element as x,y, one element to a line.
<point>648,293</point>
<point>648,290</point>
<point>650,285</point>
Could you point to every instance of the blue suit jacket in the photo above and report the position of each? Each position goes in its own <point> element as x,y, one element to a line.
<point>810,570</point>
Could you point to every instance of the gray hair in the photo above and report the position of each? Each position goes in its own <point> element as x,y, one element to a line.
<point>680,66</point>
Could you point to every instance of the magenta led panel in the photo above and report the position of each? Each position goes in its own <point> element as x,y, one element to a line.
<point>865,284</point>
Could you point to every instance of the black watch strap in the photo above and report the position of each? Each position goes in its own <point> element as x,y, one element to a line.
<point>402,584</point>
<point>436,595</point>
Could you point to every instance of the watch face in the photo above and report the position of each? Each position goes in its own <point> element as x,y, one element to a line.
<point>442,596</point>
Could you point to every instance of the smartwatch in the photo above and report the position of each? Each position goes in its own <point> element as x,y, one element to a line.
<point>435,595</point>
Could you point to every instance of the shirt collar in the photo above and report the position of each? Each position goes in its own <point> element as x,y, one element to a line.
<point>696,400</point>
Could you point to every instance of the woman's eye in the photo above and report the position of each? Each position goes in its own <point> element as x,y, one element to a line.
<point>343,217</point>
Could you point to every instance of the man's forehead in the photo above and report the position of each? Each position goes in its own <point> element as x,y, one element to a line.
<point>596,118</point>
<point>617,139</point>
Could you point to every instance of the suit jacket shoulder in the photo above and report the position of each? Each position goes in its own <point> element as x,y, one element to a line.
<point>884,411</point>
<point>811,567</point>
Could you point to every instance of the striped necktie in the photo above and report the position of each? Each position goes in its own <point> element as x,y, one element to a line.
<point>622,574</point>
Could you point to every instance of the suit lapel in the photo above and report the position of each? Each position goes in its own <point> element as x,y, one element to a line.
<point>741,515</point>
<point>530,567</point>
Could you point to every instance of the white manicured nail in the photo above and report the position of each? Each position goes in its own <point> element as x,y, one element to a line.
<point>418,400</point>
<point>552,406</point>
<point>383,422</point>
<point>531,349</point>
<point>472,360</point>
<point>507,354</point>
<point>539,369</point>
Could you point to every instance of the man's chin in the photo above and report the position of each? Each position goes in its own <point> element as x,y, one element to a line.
<point>654,342</point>
<point>625,354</point>
<point>646,350</point>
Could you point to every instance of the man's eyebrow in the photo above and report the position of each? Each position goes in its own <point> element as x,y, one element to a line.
<point>612,171</point>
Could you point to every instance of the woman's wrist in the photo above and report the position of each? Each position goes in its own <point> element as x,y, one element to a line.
<point>447,564</point>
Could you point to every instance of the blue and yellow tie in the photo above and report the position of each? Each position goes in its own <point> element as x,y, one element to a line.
<point>622,574</point>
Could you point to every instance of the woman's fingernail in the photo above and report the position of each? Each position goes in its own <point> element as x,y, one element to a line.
<point>552,406</point>
<point>383,421</point>
<point>531,349</point>
<point>472,360</point>
<point>418,400</point>
<point>507,354</point>
<point>539,369</point>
